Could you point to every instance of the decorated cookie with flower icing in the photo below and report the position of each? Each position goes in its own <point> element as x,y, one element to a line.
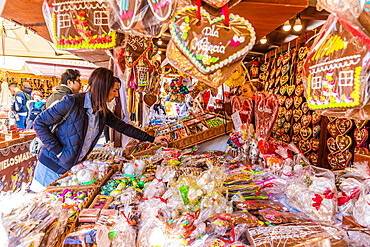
<point>335,68</point>
<point>208,43</point>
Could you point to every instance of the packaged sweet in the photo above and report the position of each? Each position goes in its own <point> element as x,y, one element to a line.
<point>362,206</point>
<point>254,205</point>
<point>83,237</point>
<point>307,234</point>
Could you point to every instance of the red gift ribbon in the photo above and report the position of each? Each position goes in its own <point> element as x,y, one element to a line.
<point>160,198</point>
<point>127,218</point>
<point>269,185</point>
<point>345,198</point>
<point>318,198</point>
<point>226,13</point>
<point>198,3</point>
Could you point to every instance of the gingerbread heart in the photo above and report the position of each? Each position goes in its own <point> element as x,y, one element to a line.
<point>300,66</point>
<point>279,132</point>
<point>299,90</point>
<point>314,158</point>
<point>296,128</point>
<point>302,52</point>
<point>279,61</point>
<point>281,100</point>
<point>306,120</point>
<point>286,58</point>
<point>344,125</point>
<point>315,143</point>
<point>296,139</point>
<point>288,102</point>
<point>360,136</point>
<point>283,89</point>
<point>298,79</point>
<point>161,8</point>
<point>267,73</point>
<point>274,127</point>
<point>271,83</point>
<point>332,160</point>
<point>224,45</point>
<point>281,111</point>
<point>332,145</point>
<point>285,138</point>
<point>343,159</point>
<point>332,119</point>
<point>305,108</point>
<point>306,133</point>
<point>297,114</point>
<point>278,71</point>
<point>265,66</point>
<point>286,127</point>
<point>262,76</point>
<point>361,150</point>
<point>128,10</point>
<point>297,101</point>
<point>284,79</point>
<point>290,90</point>
<point>285,69</point>
<point>288,114</point>
<point>316,117</point>
<point>277,81</point>
<point>332,128</point>
<point>343,142</point>
<point>360,123</point>
<point>280,122</point>
<point>276,90</point>
<point>272,73</point>
<point>150,99</point>
<point>316,130</point>
<point>304,146</point>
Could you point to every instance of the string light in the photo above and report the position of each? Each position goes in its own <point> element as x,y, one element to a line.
<point>287,26</point>
<point>159,52</point>
<point>160,42</point>
<point>298,24</point>
<point>263,40</point>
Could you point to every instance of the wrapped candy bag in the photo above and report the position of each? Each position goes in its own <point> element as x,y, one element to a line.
<point>266,111</point>
<point>314,193</point>
<point>362,205</point>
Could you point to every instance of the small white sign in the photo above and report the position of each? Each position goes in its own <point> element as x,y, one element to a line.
<point>237,121</point>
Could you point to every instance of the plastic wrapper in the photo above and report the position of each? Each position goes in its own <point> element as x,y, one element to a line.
<point>144,17</point>
<point>362,206</point>
<point>266,111</point>
<point>350,188</point>
<point>83,237</point>
<point>124,233</point>
<point>78,24</point>
<point>254,205</point>
<point>336,79</point>
<point>314,193</point>
<point>307,234</point>
<point>351,8</point>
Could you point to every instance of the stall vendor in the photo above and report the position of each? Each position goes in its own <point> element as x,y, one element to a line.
<point>76,137</point>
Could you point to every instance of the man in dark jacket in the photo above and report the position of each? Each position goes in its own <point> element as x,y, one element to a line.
<point>70,84</point>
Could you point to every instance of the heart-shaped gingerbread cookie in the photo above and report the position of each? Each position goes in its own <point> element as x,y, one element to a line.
<point>299,90</point>
<point>332,128</point>
<point>306,133</point>
<point>314,158</point>
<point>290,90</point>
<point>296,128</point>
<point>262,76</point>
<point>280,122</point>
<point>343,159</point>
<point>161,8</point>
<point>279,61</point>
<point>297,114</point>
<point>361,150</point>
<point>302,52</point>
<point>316,130</point>
<point>315,143</point>
<point>332,160</point>
<point>276,90</point>
<point>296,139</point>
<point>343,142</point>
<point>298,79</point>
<point>279,132</point>
<point>304,146</point>
<point>283,89</point>
<point>281,111</point>
<point>332,145</point>
<point>289,102</point>
<point>288,114</point>
<point>360,136</point>
<point>128,10</point>
<point>281,99</point>
<point>284,79</point>
<point>207,43</point>
<point>304,107</point>
<point>286,127</point>
<point>300,66</point>
<point>316,117</point>
<point>272,73</point>
<point>306,120</point>
<point>278,71</point>
<point>344,125</point>
<point>297,101</point>
<point>285,69</point>
<point>285,138</point>
<point>286,58</point>
<point>265,66</point>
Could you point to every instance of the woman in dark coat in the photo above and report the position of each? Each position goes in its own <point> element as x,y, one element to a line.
<point>76,137</point>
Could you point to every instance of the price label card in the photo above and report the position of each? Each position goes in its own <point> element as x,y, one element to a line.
<point>237,121</point>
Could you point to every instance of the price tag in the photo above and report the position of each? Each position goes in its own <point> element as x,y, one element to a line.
<point>237,121</point>
<point>15,134</point>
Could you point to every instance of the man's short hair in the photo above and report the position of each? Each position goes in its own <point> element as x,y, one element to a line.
<point>69,74</point>
<point>12,84</point>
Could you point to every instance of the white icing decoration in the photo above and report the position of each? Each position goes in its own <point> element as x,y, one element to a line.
<point>335,64</point>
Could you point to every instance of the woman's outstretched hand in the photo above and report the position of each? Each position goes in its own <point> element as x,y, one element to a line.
<point>161,140</point>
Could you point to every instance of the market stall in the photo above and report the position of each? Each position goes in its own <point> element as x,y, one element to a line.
<point>266,129</point>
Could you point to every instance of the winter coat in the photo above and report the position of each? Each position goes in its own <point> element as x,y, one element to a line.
<point>61,150</point>
<point>57,95</point>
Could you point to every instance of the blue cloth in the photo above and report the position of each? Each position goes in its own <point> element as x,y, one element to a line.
<point>44,175</point>
<point>18,104</point>
<point>21,122</point>
<point>61,150</point>
<point>92,129</point>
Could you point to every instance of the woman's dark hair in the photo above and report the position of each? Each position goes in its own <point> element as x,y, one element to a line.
<point>69,74</point>
<point>101,81</point>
